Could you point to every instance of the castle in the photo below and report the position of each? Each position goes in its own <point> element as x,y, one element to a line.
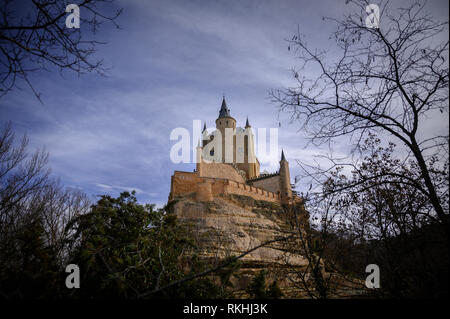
<point>226,164</point>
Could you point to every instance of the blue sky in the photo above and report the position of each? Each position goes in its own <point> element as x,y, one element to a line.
<point>170,64</point>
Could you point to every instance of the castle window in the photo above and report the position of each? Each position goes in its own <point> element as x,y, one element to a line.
<point>211,152</point>
<point>227,122</point>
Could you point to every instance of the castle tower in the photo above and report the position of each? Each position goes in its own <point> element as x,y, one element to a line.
<point>285,179</point>
<point>198,161</point>
<point>205,135</point>
<point>224,121</point>
<point>250,165</point>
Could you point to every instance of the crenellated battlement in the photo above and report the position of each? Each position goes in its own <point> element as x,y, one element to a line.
<point>206,188</point>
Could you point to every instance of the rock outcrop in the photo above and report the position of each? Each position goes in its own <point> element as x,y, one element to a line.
<point>230,225</point>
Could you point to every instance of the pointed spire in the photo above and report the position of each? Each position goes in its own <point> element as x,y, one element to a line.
<point>204,127</point>
<point>247,124</point>
<point>224,110</point>
<point>282,155</point>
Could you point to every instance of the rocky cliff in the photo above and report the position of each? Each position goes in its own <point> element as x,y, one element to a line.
<point>233,224</point>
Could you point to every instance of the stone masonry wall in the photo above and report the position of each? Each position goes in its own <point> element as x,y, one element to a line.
<point>186,183</point>
<point>220,170</point>
<point>271,184</point>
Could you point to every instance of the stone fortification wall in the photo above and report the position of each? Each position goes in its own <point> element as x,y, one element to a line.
<point>206,188</point>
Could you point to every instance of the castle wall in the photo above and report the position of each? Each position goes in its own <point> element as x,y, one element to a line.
<point>183,183</point>
<point>204,191</point>
<point>221,170</point>
<point>251,191</point>
<point>205,187</point>
<point>271,184</point>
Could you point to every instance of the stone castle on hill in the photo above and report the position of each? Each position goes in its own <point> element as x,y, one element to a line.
<point>229,166</point>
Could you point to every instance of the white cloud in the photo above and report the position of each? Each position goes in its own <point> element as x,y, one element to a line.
<point>120,188</point>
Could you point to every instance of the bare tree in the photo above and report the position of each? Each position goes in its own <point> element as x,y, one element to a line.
<point>393,222</point>
<point>387,80</point>
<point>319,240</point>
<point>21,175</point>
<point>34,213</point>
<point>33,37</point>
<point>57,205</point>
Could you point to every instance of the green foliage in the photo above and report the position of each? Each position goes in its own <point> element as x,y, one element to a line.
<point>28,266</point>
<point>274,291</point>
<point>225,275</point>
<point>124,248</point>
<point>257,288</point>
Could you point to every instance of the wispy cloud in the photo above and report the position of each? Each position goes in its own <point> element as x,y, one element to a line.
<point>171,63</point>
<point>116,188</point>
